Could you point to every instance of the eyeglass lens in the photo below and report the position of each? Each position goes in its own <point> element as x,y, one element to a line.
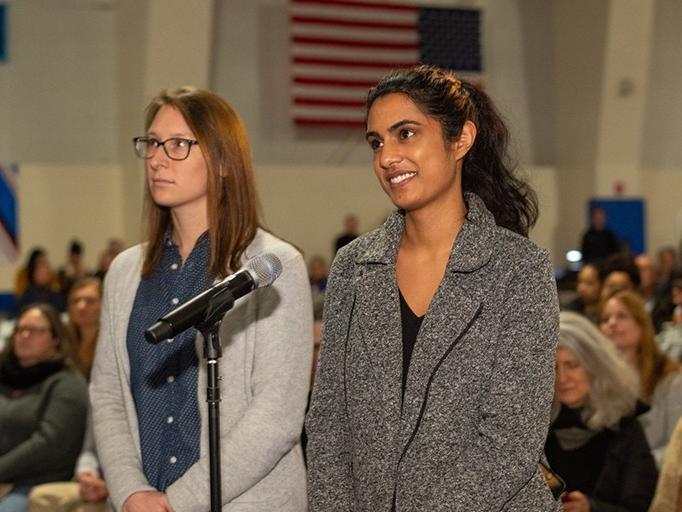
<point>175,148</point>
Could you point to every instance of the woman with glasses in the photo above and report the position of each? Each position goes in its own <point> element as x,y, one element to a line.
<point>434,383</point>
<point>149,400</point>
<point>43,403</point>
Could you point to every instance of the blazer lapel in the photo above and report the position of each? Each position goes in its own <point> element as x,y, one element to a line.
<point>377,311</point>
<point>454,307</point>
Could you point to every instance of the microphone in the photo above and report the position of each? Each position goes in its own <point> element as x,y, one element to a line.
<point>259,272</point>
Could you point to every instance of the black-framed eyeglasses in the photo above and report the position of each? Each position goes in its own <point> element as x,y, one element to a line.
<point>176,148</point>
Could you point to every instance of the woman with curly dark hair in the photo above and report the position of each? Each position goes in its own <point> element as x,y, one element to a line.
<point>435,378</point>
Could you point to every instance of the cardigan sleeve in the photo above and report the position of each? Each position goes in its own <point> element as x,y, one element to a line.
<point>116,445</point>
<point>515,411</point>
<point>271,425</point>
<point>58,435</point>
<point>328,455</point>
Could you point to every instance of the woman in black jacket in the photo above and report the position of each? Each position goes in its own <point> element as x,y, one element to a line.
<point>595,442</point>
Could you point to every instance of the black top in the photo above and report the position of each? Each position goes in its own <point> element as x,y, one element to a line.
<point>411,324</point>
<point>597,245</point>
<point>580,468</point>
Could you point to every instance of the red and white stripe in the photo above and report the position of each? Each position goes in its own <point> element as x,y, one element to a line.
<point>341,48</point>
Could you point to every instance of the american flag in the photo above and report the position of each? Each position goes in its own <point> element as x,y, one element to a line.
<point>341,48</point>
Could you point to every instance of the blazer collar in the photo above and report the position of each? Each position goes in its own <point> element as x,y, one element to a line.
<point>472,248</point>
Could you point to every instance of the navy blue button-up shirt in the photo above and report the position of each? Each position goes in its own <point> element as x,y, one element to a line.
<point>163,377</point>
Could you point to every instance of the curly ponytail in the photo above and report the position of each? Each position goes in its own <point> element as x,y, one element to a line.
<point>487,169</point>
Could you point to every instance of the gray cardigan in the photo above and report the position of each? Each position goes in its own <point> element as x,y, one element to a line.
<point>265,370</point>
<point>473,424</point>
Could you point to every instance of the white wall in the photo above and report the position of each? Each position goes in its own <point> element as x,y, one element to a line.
<point>663,126</point>
<point>58,84</point>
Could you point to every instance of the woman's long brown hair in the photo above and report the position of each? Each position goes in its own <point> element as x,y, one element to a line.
<point>653,365</point>
<point>232,202</point>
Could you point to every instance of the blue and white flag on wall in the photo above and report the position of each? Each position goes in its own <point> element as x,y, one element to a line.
<point>9,214</point>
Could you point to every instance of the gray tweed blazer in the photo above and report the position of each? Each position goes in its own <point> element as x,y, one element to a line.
<point>265,375</point>
<point>472,427</point>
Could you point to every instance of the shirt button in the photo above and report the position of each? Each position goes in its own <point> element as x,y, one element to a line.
<point>170,420</point>
<point>170,379</point>
<point>173,459</point>
<point>174,266</point>
<point>175,300</point>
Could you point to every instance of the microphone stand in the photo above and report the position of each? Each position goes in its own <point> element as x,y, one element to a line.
<point>209,327</point>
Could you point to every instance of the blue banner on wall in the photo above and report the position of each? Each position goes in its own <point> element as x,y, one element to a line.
<point>3,32</point>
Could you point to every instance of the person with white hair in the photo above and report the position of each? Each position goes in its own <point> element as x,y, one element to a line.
<point>595,442</point>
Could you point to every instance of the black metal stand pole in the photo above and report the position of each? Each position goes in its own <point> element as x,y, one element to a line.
<point>213,353</point>
<point>210,329</point>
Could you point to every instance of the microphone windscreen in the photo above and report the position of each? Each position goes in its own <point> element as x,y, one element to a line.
<point>264,268</point>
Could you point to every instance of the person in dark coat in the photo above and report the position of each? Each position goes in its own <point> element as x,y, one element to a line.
<point>598,242</point>
<point>595,442</point>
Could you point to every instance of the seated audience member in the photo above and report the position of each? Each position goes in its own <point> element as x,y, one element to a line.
<point>589,292</point>
<point>668,266</point>
<point>647,280</point>
<point>74,269</point>
<point>89,492</point>
<point>21,278</point>
<point>43,404</point>
<point>595,442</point>
<point>40,285</point>
<point>670,338</point>
<point>114,247</point>
<point>618,272</point>
<point>625,321</point>
<point>84,307</point>
<point>668,497</point>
